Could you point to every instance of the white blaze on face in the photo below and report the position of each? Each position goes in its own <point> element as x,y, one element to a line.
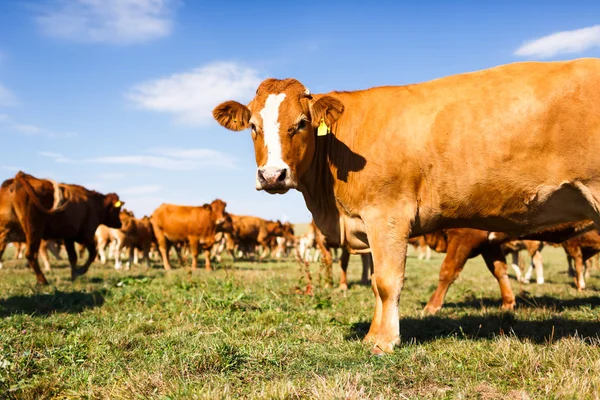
<point>270,117</point>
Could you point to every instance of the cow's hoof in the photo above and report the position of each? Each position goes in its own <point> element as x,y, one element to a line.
<point>510,306</point>
<point>382,347</point>
<point>343,287</point>
<point>431,310</point>
<point>540,281</point>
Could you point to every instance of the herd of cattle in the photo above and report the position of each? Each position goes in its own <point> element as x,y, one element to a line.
<point>469,162</point>
<point>41,216</point>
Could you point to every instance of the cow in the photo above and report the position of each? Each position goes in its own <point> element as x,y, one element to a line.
<point>33,209</point>
<point>471,139</point>
<point>134,234</point>
<point>579,250</point>
<point>194,225</point>
<point>250,232</point>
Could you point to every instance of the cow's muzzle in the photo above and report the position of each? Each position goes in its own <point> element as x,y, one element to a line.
<point>274,180</point>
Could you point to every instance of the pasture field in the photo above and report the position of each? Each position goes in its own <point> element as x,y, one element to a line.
<point>244,332</point>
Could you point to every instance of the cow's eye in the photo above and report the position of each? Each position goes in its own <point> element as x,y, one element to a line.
<point>301,125</point>
<point>254,133</point>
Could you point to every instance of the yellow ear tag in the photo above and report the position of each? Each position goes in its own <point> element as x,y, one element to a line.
<point>118,204</point>
<point>323,129</point>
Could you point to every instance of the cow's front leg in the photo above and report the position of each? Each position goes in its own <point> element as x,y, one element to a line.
<point>388,239</point>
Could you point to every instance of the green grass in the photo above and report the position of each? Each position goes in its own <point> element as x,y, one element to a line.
<point>243,332</point>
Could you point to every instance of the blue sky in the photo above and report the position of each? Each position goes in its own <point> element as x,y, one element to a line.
<point>116,95</point>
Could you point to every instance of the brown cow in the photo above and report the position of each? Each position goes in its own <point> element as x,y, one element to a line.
<point>195,225</point>
<point>471,139</point>
<point>250,232</point>
<point>580,249</point>
<point>135,234</point>
<point>30,210</point>
<point>460,244</point>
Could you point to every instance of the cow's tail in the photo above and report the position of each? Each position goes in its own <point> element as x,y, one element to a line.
<point>58,197</point>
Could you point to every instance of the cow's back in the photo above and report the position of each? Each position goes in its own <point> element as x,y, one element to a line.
<point>180,222</point>
<point>485,149</point>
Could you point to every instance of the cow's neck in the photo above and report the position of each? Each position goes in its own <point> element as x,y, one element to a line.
<point>317,187</point>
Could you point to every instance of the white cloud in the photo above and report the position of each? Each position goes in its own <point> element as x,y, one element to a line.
<point>575,41</point>
<point>7,98</point>
<point>107,21</point>
<point>168,159</point>
<point>32,130</point>
<point>140,190</point>
<point>191,96</point>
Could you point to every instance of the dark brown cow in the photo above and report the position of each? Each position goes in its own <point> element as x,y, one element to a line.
<point>30,211</point>
<point>194,225</point>
<point>471,139</point>
<point>250,232</point>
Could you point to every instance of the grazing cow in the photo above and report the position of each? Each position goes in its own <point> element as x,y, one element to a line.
<point>471,139</point>
<point>580,249</point>
<point>195,225</point>
<point>534,248</point>
<point>33,209</point>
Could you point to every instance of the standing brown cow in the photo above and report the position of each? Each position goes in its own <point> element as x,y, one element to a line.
<point>471,139</point>
<point>30,211</point>
<point>195,225</point>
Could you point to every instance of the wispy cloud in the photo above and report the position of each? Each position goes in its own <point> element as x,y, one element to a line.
<point>107,21</point>
<point>191,96</point>
<point>32,130</point>
<point>564,42</point>
<point>167,159</point>
<point>7,98</point>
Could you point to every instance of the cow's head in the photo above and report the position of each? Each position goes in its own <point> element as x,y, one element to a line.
<point>217,208</point>
<point>112,207</point>
<point>283,117</point>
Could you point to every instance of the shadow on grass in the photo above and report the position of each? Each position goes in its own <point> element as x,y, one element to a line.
<point>525,301</point>
<point>46,304</point>
<point>427,329</point>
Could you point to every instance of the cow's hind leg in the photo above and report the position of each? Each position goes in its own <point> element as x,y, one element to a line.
<point>344,260</point>
<point>31,254</point>
<point>496,263</point>
<point>367,267</point>
<point>537,261</point>
<point>454,262</point>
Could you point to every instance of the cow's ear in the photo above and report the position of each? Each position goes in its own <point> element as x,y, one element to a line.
<point>232,115</point>
<point>328,109</point>
<point>207,206</point>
